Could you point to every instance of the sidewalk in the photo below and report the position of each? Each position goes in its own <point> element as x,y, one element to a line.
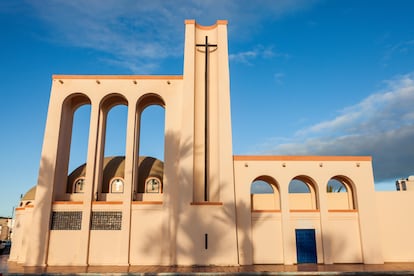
<point>310,269</point>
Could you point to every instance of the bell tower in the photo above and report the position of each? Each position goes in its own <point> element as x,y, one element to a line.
<point>206,72</point>
<point>206,213</point>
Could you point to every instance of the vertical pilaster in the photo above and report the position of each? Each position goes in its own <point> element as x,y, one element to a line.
<point>94,153</point>
<point>223,188</point>
<point>130,163</point>
<point>213,119</point>
<point>63,152</point>
<point>99,157</point>
<point>186,169</point>
<point>288,235</point>
<point>326,234</point>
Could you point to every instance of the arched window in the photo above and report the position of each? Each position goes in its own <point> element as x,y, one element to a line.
<point>117,185</point>
<point>79,185</point>
<point>264,194</point>
<point>302,194</point>
<point>340,194</point>
<point>153,185</point>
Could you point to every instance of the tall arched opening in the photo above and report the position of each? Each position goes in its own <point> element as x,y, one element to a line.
<point>149,183</point>
<point>305,219</point>
<point>266,222</point>
<point>106,222</point>
<point>111,181</point>
<point>264,194</point>
<point>303,194</point>
<point>73,147</point>
<point>340,194</point>
<point>343,234</point>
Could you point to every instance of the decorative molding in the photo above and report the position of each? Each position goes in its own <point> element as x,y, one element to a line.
<point>119,77</point>
<point>207,203</point>
<point>299,158</point>
<point>146,202</point>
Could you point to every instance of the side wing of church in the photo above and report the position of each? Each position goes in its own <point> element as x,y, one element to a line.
<point>200,205</point>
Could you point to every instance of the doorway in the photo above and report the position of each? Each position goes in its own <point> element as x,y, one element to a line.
<point>306,246</point>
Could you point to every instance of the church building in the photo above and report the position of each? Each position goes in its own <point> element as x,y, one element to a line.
<point>200,205</point>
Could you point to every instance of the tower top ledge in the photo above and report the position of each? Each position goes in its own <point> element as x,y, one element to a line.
<point>193,22</point>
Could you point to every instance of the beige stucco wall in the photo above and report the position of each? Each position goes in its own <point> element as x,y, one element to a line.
<point>319,170</point>
<point>105,248</point>
<point>343,237</point>
<point>216,222</point>
<point>22,229</point>
<point>18,233</point>
<point>149,235</point>
<point>266,238</point>
<point>339,201</point>
<point>64,248</point>
<point>395,212</point>
<point>336,201</point>
<point>265,201</point>
<point>302,202</point>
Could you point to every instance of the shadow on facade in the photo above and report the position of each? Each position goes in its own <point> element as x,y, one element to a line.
<point>37,237</point>
<point>196,234</point>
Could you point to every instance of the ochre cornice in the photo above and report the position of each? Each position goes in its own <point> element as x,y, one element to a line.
<point>299,158</point>
<point>120,77</point>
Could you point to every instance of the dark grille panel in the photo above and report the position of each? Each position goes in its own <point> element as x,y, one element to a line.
<point>106,220</point>
<point>66,221</point>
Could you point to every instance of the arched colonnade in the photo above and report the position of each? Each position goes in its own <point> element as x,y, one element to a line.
<point>303,193</point>
<point>278,198</point>
<point>93,169</point>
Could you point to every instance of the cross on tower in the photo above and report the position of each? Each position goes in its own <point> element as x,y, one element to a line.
<point>207,47</point>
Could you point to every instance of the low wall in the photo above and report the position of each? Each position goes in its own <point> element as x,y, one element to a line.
<point>395,217</point>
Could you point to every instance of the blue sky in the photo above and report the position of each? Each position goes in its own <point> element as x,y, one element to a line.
<point>307,77</point>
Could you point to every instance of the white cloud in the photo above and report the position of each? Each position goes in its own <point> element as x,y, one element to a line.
<point>381,125</point>
<point>149,30</point>
<point>259,51</point>
<point>386,110</point>
<point>243,57</point>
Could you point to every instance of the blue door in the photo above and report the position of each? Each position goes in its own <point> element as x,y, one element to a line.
<point>306,246</point>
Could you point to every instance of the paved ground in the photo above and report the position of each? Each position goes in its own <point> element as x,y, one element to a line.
<point>337,269</point>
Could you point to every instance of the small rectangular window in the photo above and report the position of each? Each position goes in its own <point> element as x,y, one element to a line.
<point>206,241</point>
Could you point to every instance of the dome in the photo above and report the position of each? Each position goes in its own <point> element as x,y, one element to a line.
<point>30,194</point>
<point>114,167</point>
<point>28,197</point>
